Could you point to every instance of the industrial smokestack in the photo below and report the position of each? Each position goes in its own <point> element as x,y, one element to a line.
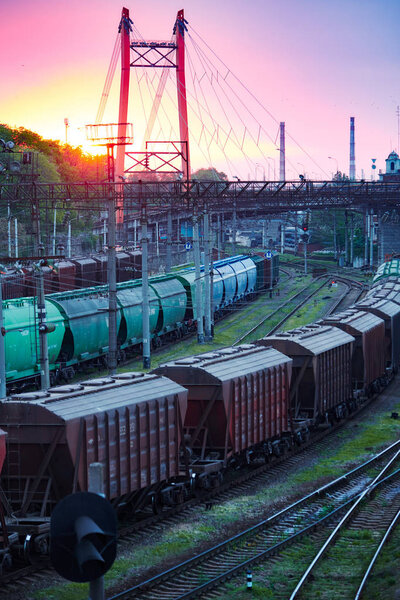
<point>352,151</point>
<point>282,175</point>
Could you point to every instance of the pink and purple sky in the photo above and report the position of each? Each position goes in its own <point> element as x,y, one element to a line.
<point>312,64</point>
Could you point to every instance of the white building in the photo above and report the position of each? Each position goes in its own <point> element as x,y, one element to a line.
<point>392,168</point>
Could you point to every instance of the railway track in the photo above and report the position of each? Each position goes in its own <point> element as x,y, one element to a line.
<point>301,298</point>
<point>241,483</point>
<point>131,531</point>
<point>352,294</point>
<point>366,512</point>
<point>201,574</point>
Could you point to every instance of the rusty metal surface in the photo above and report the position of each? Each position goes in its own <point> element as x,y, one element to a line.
<point>66,275</point>
<point>130,423</point>
<point>308,340</point>
<point>238,397</point>
<point>321,379</point>
<point>389,311</point>
<point>368,330</point>
<point>85,271</point>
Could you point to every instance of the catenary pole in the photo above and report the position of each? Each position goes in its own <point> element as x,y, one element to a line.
<point>169,241</point>
<point>207,295</point>
<point>145,286</point>
<point>199,302</point>
<point>3,392</point>
<point>112,288</point>
<point>43,348</point>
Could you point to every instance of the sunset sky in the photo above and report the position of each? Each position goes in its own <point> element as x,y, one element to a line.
<point>312,64</point>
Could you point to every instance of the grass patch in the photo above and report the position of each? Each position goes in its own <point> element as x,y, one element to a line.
<point>372,436</point>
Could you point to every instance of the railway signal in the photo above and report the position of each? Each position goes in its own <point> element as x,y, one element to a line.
<point>83,534</point>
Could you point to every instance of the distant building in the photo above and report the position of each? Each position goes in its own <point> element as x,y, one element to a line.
<point>392,168</point>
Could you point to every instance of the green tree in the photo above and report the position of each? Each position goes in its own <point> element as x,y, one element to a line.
<point>209,174</point>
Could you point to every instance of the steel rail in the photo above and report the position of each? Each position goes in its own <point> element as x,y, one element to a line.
<point>264,319</point>
<point>331,539</point>
<point>374,558</point>
<point>148,584</point>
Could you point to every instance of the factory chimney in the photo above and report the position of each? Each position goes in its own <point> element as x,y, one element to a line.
<point>282,175</point>
<point>352,151</point>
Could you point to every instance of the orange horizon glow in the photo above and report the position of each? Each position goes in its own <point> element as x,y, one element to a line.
<point>307,64</point>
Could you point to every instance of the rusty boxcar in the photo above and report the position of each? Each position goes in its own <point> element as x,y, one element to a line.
<point>237,402</point>
<point>389,311</point>
<point>131,423</point>
<point>321,381</point>
<point>368,330</point>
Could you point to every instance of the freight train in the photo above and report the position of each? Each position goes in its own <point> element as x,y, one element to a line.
<point>80,317</point>
<point>164,436</point>
<point>63,275</point>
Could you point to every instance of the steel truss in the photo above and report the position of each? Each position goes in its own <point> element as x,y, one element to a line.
<point>256,196</point>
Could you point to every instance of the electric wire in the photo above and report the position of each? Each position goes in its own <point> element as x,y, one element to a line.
<point>109,79</point>
<point>230,72</point>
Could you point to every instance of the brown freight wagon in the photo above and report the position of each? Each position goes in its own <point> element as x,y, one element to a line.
<point>66,273</point>
<point>125,264</point>
<point>237,402</point>
<point>321,380</point>
<point>368,330</point>
<point>389,311</point>
<point>131,423</point>
<point>386,291</point>
<point>86,272</point>
<point>13,285</point>
<point>101,268</point>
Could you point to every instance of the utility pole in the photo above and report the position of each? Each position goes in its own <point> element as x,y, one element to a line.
<point>169,241</point>
<point>43,330</point>
<point>335,248</point>
<point>16,236</point>
<point>54,229</point>
<point>69,253</point>
<point>366,222</point>
<point>351,239</point>
<point>145,284</point>
<point>3,391</point>
<point>66,123</point>
<point>112,286</point>
<point>157,239</point>
<point>219,236</point>
<point>305,255</point>
<point>9,229</point>
<point>212,279</point>
<point>234,225</point>
<point>199,303</point>
<point>371,238</point>
<point>207,295</point>
<point>346,240</point>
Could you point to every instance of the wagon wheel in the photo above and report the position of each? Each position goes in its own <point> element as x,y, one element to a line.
<point>155,505</point>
